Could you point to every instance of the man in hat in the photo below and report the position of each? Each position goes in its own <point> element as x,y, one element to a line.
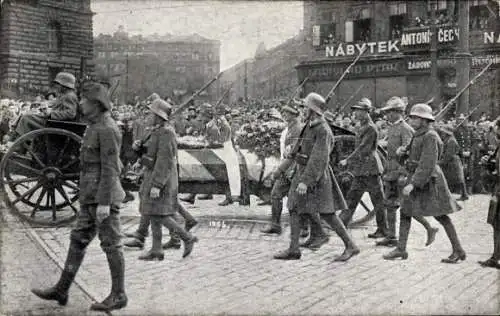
<point>64,108</point>
<point>100,196</point>
<point>311,186</point>
<point>281,185</point>
<point>426,192</point>
<point>366,166</point>
<point>399,135</point>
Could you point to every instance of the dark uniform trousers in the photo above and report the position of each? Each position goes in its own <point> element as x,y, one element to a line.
<point>109,231</point>
<point>280,189</point>
<point>361,184</point>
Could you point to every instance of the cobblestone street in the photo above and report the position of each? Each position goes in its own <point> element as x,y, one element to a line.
<point>231,271</point>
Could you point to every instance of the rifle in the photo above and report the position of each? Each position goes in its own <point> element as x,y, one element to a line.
<point>297,90</point>
<point>223,96</point>
<point>469,115</point>
<point>114,89</point>
<point>185,104</point>
<point>350,98</point>
<point>179,110</point>
<point>452,100</point>
<point>348,69</point>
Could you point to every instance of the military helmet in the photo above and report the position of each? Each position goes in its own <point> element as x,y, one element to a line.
<point>364,104</point>
<point>423,111</point>
<point>315,102</point>
<point>394,103</point>
<point>161,108</point>
<point>65,79</point>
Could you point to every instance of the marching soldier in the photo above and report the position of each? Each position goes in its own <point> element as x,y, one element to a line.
<point>451,164</point>
<point>158,192</point>
<point>281,185</point>
<point>494,210</point>
<point>367,169</point>
<point>463,135</point>
<point>311,187</point>
<point>426,192</point>
<point>100,195</point>
<point>399,135</point>
<point>64,108</point>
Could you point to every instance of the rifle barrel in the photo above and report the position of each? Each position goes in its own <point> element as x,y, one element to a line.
<point>351,97</point>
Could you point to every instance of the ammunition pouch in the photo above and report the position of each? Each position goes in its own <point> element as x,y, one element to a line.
<point>301,159</point>
<point>148,162</point>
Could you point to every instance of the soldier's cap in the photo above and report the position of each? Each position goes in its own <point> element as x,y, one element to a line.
<point>364,104</point>
<point>65,79</point>
<point>290,108</point>
<point>315,102</point>
<point>394,104</point>
<point>97,92</point>
<point>422,110</point>
<point>329,116</point>
<point>161,108</point>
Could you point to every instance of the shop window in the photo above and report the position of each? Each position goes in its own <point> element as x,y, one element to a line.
<point>479,15</point>
<point>54,35</point>
<point>397,20</point>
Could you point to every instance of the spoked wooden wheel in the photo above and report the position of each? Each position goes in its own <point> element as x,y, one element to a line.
<point>40,174</point>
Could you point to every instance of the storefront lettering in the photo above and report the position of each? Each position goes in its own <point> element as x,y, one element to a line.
<point>354,49</point>
<point>491,38</point>
<point>415,65</point>
<point>444,35</point>
<point>366,69</point>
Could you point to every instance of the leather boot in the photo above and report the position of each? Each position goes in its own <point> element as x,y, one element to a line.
<point>134,243</point>
<point>190,221</point>
<point>350,247</point>
<point>293,252</point>
<point>275,227</point>
<point>396,253</point>
<point>458,252</point>
<point>173,243</point>
<point>117,298</point>
<point>431,231</point>
<point>59,292</point>
<point>142,230</point>
<point>390,240</point>
<point>188,239</point>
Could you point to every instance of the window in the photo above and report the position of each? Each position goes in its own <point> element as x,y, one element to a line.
<point>325,32</point>
<point>54,37</point>
<point>441,11</point>
<point>479,15</point>
<point>397,20</point>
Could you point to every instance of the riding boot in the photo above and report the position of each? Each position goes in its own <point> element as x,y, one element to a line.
<point>190,221</point>
<point>186,237</point>
<point>276,209</point>
<point>350,247</point>
<point>117,298</point>
<point>142,231</point>
<point>390,240</point>
<point>458,252</point>
<point>320,236</point>
<point>404,231</point>
<point>174,242</point>
<point>59,292</point>
<point>381,219</point>
<point>305,227</point>
<point>431,231</point>
<point>156,251</point>
<point>293,252</point>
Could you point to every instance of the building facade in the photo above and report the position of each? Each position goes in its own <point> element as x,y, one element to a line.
<point>397,38</point>
<point>38,39</point>
<point>172,66</point>
<point>270,73</point>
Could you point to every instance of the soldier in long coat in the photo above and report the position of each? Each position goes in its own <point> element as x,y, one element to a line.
<point>159,189</point>
<point>64,108</point>
<point>366,166</point>
<point>100,196</point>
<point>426,192</point>
<point>451,164</point>
<point>494,210</point>
<point>311,187</point>
<point>399,135</point>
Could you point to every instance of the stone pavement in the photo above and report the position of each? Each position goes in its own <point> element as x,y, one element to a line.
<point>231,271</point>
<point>25,264</point>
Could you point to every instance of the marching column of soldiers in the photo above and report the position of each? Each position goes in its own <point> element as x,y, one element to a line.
<point>412,181</point>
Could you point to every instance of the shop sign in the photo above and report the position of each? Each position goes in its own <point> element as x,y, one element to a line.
<point>423,36</point>
<point>366,69</point>
<point>426,64</point>
<point>343,49</point>
<point>491,38</point>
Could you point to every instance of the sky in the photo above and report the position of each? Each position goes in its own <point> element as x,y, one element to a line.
<point>239,25</point>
